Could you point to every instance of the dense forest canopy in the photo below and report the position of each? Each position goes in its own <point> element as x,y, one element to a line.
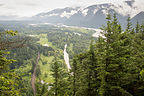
<point>110,65</point>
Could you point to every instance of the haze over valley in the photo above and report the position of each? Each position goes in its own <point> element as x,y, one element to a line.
<point>71,48</point>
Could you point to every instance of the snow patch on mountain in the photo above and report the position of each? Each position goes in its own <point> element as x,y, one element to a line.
<point>53,14</point>
<point>68,14</point>
<point>91,16</point>
<point>42,16</point>
<point>94,12</point>
<point>123,8</point>
<point>105,12</point>
<point>84,12</point>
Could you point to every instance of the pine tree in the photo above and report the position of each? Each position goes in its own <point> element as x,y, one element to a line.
<point>129,25</point>
<point>84,72</point>
<point>60,78</point>
<point>74,76</point>
<point>137,27</point>
<point>8,79</point>
<point>55,70</point>
<point>138,56</point>
<point>115,54</point>
<point>92,71</point>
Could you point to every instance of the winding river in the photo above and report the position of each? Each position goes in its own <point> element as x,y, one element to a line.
<point>66,58</point>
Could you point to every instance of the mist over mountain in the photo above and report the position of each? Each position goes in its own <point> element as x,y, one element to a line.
<point>91,16</point>
<point>130,3</point>
<point>48,48</point>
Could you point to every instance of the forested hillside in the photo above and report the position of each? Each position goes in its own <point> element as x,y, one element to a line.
<point>32,60</point>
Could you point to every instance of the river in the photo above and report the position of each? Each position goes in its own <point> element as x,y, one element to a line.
<point>66,58</point>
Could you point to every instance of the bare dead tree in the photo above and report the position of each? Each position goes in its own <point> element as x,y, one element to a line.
<point>7,42</point>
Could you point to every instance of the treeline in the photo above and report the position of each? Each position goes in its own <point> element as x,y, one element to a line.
<point>113,66</point>
<point>77,41</point>
<point>28,52</point>
<point>24,57</point>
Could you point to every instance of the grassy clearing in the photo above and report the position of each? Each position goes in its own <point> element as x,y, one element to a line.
<point>45,67</point>
<point>45,62</point>
<point>44,40</point>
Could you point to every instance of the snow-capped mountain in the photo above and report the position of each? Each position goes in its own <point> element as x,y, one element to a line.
<point>57,15</point>
<point>91,16</point>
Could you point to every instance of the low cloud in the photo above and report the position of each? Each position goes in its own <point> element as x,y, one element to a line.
<point>30,4</point>
<point>1,5</point>
<point>31,7</point>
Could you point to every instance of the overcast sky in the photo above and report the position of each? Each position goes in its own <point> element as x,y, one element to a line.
<point>28,8</point>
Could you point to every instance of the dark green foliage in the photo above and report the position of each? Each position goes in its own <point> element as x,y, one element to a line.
<point>84,73</point>
<point>42,89</point>
<point>59,86</point>
<point>112,66</point>
<point>9,80</point>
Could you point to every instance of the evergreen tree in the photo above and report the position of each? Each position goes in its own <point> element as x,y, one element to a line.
<point>74,76</point>
<point>8,79</point>
<point>129,25</point>
<point>114,62</point>
<point>138,54</point>
<point>59,86</point>
<point>137,27</point>
<point>85,74</point>
<point>92,71</point>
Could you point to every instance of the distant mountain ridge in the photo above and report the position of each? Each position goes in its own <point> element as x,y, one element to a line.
<point>91,16</point>
<point>138,18</point>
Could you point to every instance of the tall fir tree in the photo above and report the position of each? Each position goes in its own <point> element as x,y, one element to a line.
<point>114,62</point>
<point>60,85</point>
